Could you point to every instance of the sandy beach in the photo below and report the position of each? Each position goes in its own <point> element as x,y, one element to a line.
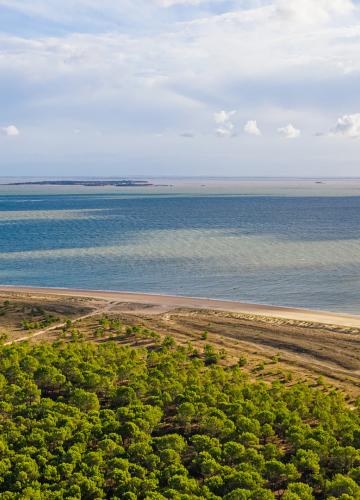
<point>170,302</point>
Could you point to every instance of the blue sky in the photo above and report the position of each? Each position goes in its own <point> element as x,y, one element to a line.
<point>180,87</point>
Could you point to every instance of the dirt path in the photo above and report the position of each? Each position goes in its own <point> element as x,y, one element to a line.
<point>57,326</point>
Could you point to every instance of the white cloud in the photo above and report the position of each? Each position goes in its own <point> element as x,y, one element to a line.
<point>313,11</point>
<point>227,131</point>
<point>289,131</point>
<point>348,126</point>
<point>10,131</point>
<point>170,3</point>
<point>252,128</point>
<point>222,117</point>
<point>226,128</point>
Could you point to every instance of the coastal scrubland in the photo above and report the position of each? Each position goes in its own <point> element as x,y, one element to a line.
<point>104,399</point>
<point>273,346</point>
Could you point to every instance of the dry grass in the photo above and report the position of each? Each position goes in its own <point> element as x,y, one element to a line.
<point>15,308</point>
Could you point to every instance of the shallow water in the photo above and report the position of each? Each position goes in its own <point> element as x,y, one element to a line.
<point>287,250</point>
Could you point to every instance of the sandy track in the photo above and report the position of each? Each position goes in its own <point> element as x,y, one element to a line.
<point>169,301</point>
<point>57,326</point>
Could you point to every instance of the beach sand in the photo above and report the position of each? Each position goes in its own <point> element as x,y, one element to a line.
<point>169,302</point>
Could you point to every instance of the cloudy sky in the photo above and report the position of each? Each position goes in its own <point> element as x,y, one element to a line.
<point>180,87</point>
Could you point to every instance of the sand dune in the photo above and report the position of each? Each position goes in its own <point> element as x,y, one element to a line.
<point>171,302</point>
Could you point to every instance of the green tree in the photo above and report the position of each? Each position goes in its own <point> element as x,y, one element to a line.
<point>298,491</point>
<point>342,485</point>
<point>85,401</point>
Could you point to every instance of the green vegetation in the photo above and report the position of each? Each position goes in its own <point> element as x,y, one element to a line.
<point>85,421</point>
<point>48,320</point>
<point>204,335</point>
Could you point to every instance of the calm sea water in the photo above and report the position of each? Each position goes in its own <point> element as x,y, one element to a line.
<point>293,251</point>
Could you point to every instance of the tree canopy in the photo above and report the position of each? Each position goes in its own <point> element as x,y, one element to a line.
<point>86,421</point>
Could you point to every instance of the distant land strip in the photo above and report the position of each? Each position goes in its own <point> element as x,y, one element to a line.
<point>116,183</point>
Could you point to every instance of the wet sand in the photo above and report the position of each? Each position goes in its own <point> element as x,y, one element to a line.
<point>169,302</point>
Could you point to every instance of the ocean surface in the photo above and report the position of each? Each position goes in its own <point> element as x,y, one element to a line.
<point>290,247</point>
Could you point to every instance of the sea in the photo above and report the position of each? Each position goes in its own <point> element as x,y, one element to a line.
<point>289,242</point>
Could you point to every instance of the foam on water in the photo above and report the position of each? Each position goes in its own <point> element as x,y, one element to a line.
<point>6,215</point>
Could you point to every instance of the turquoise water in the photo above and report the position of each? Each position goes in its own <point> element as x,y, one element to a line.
<point>287,250</point>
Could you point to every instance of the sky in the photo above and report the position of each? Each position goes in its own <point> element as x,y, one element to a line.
<point>180,87</point>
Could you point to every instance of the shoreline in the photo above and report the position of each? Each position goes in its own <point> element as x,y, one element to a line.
<point>178,301</point>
